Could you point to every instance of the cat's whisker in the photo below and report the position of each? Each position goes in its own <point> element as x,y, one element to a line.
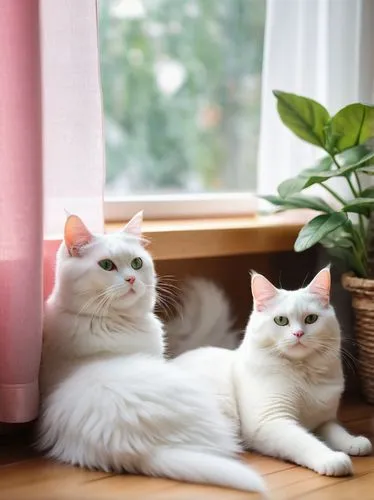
<point>166,305</point>
<point>104,300</point>
<point>167,277</point>
<point>343,340</point>
<point>304,280</point>
<point>169,292</point>
<point>168,286</point>
<point>93,299</point>
<point>327,349</point>
<point>167,300</point>
<point>97,312</point>
<point>350,360</point>
<point>171,286</point>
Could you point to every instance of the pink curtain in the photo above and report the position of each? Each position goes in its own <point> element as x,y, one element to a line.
<point>20,210</point>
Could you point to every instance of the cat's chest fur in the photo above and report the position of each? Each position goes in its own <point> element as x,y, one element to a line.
<point>306,392</point>
<point>70,338</point>
<point>320,392</point>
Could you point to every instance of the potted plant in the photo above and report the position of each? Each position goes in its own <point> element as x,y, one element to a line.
<point>345,223</point>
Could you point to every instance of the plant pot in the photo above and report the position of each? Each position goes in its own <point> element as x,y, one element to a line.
<point>362,291</point>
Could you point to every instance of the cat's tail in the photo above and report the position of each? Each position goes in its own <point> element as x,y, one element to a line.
<point>201,467</point>
<point>204,319</point>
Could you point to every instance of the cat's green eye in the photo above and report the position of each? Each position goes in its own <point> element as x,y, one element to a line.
<point>137,263</point>
<point>107,265</point>
<point>311,318</point>
<point>281,320</point>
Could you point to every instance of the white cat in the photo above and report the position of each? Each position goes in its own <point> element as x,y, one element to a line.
<point>283,384</point>
<point>110,400</point>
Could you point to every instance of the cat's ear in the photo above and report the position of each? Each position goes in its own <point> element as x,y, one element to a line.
<point>134,226</point>
<point>262,291</point>
<point>76,235</point>
<point>321,286</point>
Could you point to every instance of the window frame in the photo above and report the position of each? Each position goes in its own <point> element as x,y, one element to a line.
<point>181,206</point>
<point>158,205</point>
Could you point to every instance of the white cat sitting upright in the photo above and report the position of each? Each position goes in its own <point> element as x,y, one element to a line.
<point>109,399</point>
<point>284,383</point>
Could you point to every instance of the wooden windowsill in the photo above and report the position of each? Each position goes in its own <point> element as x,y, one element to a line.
<point>193,238</point>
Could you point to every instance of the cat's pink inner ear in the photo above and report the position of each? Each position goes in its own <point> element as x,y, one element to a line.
<point>134,226</point>
<point>262,291</point>
<point>76,235</point>
<point>321,286</point>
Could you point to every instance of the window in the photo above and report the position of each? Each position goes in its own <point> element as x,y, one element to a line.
<point>181,86</point>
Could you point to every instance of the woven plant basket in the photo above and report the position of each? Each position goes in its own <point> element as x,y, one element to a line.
<point>362,291</point>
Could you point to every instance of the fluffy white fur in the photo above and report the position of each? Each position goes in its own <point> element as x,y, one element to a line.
<point>110,400</point>
<point>283,384</point>
<point>209,329</point>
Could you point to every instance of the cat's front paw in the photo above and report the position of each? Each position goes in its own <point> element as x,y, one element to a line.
<point>335,463</point>
<point>359,446</point>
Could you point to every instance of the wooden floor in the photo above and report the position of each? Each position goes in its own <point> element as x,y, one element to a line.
<point>26,476</point>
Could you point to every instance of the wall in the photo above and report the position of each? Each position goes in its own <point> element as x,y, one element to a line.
<point>285,268</point>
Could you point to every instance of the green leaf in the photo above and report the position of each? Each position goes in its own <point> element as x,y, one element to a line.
<point>345,257</point>
<point>296,184</point>
<point>310,202</point>
<point>305,117</point>
<point>368,192</point>
<point>360,206</point>
<point>362,153</point>
<point>330,139</point>
<point>352,125</point>
<point>303,181</point>
<point>340,237</point>
<point>367,162</point>
<point>291,186</point>
<point>275,200</point>
<point>362,165</point>
<point>349,258</point>
<point>318,228</point>
<point>300,201</point>
<point>323,164</point>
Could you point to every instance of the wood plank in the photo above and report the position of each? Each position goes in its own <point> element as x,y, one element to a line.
<point>25,476</point>
<point>196,238</point>
<point>301,482</point>
<point>357,487</point>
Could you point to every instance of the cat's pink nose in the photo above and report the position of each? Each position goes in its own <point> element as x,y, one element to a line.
<point>298,334</point>
<point>131,280</point>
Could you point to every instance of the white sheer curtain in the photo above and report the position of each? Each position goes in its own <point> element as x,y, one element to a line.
<point>321,49</point>
<point>73,152</point>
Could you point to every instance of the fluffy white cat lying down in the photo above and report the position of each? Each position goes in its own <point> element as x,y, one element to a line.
<point>110,400</point>
<point>283,384</point>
